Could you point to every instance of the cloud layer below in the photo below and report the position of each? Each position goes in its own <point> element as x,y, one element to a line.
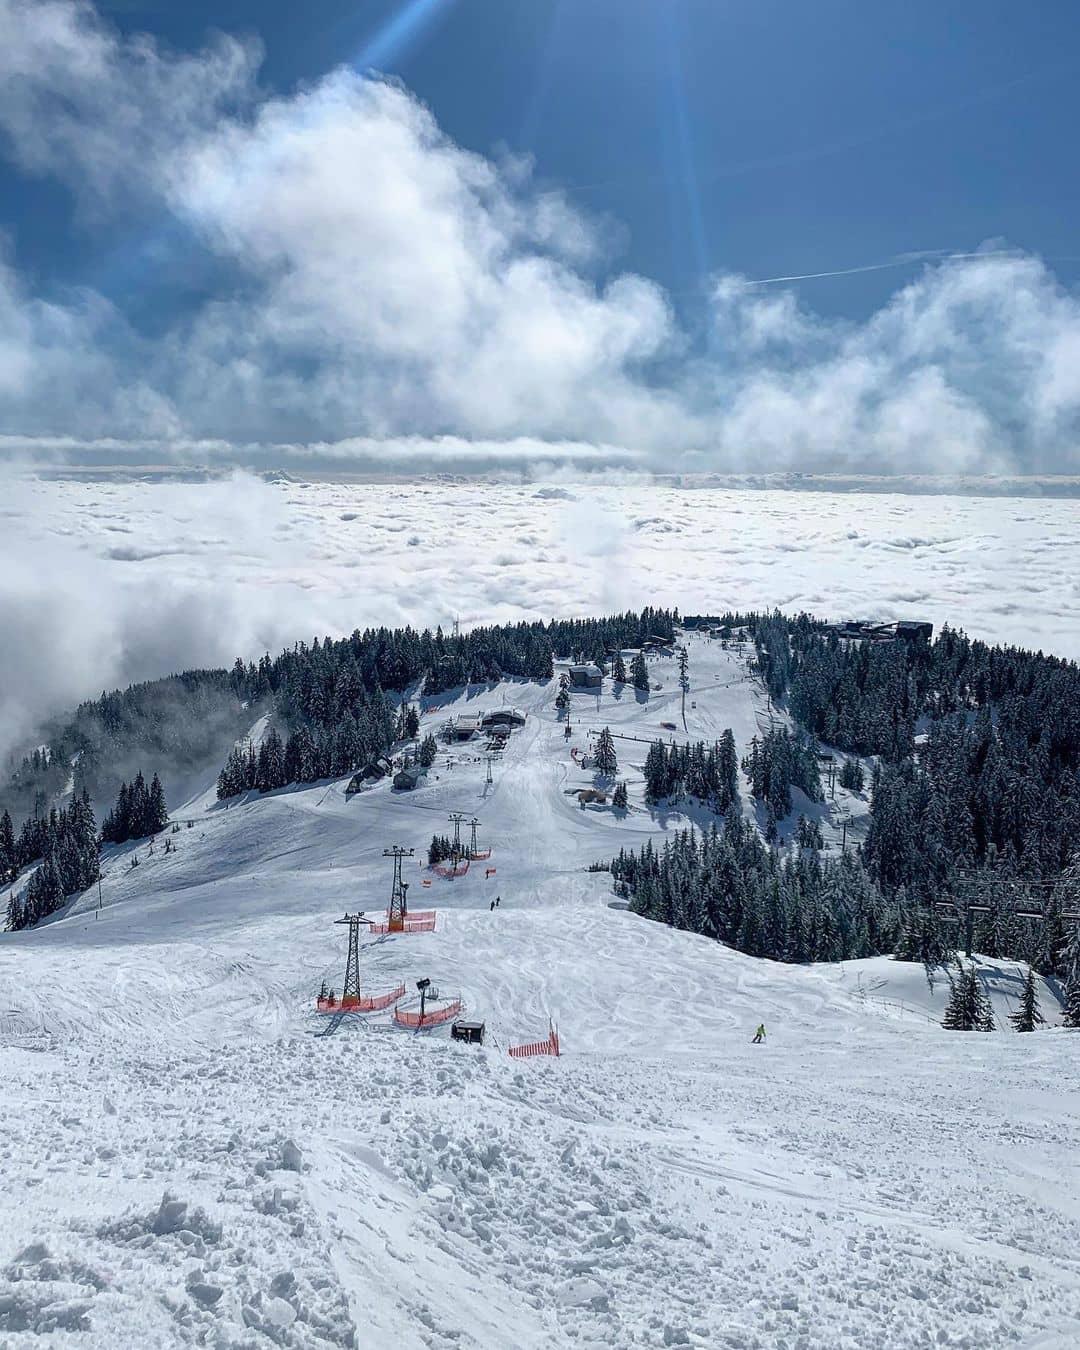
<point>380,287</point>
<point>106,582</point>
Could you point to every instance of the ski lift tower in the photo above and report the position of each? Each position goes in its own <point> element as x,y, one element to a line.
<point>398,908</point>
<point>476,853</point>
<point>350,990</point>
<point>456,817</point>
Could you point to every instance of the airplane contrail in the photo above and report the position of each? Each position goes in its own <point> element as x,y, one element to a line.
<point>906,260</point>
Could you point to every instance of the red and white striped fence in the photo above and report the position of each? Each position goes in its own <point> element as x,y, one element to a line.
<point>548,1047</point>
<point>369,1003</point>
<point>429,1018</point>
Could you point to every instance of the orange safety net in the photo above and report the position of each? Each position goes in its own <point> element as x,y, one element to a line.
<point>548,1047</point>
<point>458,871</point>
<point>429,1019</point>
<point>410,924</point>
<point>364,1004</point>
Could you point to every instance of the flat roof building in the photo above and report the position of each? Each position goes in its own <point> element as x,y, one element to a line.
<point>466,726</point>
<point>586,676</point>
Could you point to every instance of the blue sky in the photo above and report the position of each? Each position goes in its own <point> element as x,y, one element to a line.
<point>770,138</point>
<point>690,139</point>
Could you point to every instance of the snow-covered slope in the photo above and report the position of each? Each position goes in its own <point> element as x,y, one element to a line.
<point>862,1179</point>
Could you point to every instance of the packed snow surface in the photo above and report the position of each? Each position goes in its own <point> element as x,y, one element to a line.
<point>189,1154</point>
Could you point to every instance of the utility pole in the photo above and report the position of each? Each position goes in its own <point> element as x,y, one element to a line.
<point>473,850</point>
<point>398,907</point>
<point>487,760</point>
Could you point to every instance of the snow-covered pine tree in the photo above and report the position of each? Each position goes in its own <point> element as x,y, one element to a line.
<point>618,672</point>
<point>639,672</point>
<point>959,1014</point>
<point>1071,1015</point>
<point>607,762</point>
<point>157,810</point>
<point>1027,1016</point>
<point>656,779</point>
<point>969,1008</point>
<point>618,798</point>
<point>984,1011</point>
<point>7,848</point>
<point>852,775</point>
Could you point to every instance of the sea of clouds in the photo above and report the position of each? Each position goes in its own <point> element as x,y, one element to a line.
<point>108,581</point>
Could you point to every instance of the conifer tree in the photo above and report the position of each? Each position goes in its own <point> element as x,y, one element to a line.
<point>8,865</point>
<point>1027,1016</point>
<point>852,775</point>
<point>157,809</point>
<point>618,798</point>
<point>960,1011</point>
<point>1071,1015</point>
<point>639,672</point>
<point>618,673</point>
<point>607,762</point>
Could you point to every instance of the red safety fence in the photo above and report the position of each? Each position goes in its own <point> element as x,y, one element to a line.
<point>481,855</point>
<point>372,1003</point>
<point>410,924</point>
<point>429,1018</point>
<point>458,871</point>
<point>548,1047</point>
<point>490,871</point>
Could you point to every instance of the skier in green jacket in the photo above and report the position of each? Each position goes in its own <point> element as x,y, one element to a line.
<point>759,1035</point>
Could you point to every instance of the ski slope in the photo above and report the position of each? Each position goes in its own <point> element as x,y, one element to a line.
<point>190,1155</point>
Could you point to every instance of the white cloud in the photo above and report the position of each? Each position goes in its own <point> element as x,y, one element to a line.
<point>77,101</point>
<point>388,288</point>
<point>106,581</point>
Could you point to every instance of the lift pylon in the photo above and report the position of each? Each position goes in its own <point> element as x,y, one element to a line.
<point>456,818</point>
<point>476,853</point>
<point>351,987</point>
<point>398,907</point>
<point>351,999</point>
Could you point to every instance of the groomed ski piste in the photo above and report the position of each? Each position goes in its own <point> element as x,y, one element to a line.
<point>191,1154</point>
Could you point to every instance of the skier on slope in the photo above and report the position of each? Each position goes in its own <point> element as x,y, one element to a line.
<point>759,1035</point>
<point>493,906</point>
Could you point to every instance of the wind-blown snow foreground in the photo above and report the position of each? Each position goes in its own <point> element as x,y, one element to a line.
<point>190,1155</point>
